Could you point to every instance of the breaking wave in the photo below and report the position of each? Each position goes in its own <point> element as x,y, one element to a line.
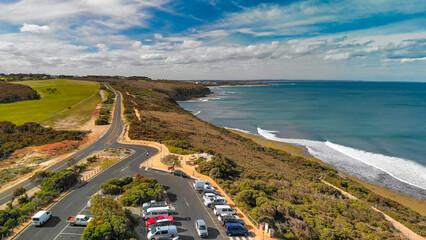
<point>357,161</point>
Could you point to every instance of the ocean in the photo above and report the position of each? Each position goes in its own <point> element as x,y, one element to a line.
<point>375,131</point>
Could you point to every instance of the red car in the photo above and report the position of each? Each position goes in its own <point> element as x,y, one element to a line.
<point>155,219</point>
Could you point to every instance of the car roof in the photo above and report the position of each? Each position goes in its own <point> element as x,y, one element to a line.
<point>158,208</point>
<point>164,220</point>
<point>40,213</point>
<point>223,206</point>
<point>166,227</point>
<point>233,225</point>
<point>201,222</point>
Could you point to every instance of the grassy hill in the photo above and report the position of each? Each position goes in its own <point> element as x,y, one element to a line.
<point>60,99</point>
<point>270,185</point>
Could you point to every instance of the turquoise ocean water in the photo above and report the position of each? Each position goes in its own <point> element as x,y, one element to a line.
<point>375,131</point>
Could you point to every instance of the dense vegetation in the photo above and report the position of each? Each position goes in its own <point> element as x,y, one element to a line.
<point>13,137</point>
<point>136,190</point>
<point>110,221</point>
<point>104,117</point>
<point>270,185</point>
<point>51,185</point>
<point>10,92</point>
<point>24,76</point>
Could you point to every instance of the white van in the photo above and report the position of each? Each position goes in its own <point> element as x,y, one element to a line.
<point>199,184</point>
<point>156,211</point>
<point>223,209</point>
<point>162,232</point>
<point>41,217</point>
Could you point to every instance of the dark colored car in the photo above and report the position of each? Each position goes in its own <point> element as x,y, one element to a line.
<point>235,229</point>
<point>179,173</point>
<point>232,219</point>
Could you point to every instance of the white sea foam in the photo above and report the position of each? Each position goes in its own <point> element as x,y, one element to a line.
<point>195,114</point>
<point>353,160</point>
<point>204,100</point>
<point>236,129</point>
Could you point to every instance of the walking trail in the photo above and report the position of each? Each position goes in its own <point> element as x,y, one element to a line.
<point>403,229</point>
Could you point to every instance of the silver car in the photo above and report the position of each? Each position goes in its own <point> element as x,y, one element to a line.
<point>201,228</point>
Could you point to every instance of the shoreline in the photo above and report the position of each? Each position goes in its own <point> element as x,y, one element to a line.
<point>415,204</point>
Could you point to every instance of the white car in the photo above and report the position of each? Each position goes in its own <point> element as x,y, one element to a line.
<point>214,200</point>
<point>201,228</point>
<point>208,196</point>
<point>219,217</point>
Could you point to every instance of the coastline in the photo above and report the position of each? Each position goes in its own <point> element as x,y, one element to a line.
<point>417,205</point>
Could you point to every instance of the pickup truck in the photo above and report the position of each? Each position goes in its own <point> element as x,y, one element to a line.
<point>81,220</point>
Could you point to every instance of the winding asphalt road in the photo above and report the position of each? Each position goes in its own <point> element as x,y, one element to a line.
<point>105,141</point>
<point>180,193</point>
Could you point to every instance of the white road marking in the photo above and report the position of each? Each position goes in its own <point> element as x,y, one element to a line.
<point>124,168</point>
<point>38,232</point>
<point>76,234</point>
<point>68,204</point>
<point>146,168</point>
<point>187,204</point>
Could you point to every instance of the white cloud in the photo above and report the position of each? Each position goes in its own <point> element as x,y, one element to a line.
<point>34,28</point>
<point>337,56</point>
<point>153,56</point>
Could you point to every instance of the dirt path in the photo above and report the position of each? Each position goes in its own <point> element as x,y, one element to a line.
<point>403,229</point>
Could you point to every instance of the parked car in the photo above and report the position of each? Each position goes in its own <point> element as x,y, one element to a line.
<point>41,218</point>
<point>80,220</point>
<point>199,184</point>
<point>158,218</point>
<point>216,201</point>
<point>232,219</point>
<point>179,173</point>
<point>169,231</point>
<point>208,196</point>
<point>201,228</point>
<point>220,209</point>
<point>209,187</point>
<point>159,223</point>
<point>209,190</point>
<point>235,229</point>
<point>153,203</point>
<point>156,211</point>
<point>220,216</point>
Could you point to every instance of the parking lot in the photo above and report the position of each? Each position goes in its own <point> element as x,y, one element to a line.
<point>187,202</point>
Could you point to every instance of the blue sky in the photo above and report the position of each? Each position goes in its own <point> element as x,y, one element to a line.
<point>381,40</point>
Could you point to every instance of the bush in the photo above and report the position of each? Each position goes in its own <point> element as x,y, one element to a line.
<point>110,189</point>
<point>219,167</point>
<point>140,192</point>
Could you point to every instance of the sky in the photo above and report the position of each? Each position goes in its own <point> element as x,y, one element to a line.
<point>378,40</point>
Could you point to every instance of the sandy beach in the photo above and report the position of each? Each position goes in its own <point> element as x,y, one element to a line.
<point>417,205</point>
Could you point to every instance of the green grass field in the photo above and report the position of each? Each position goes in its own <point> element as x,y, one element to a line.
<point>73,99</point>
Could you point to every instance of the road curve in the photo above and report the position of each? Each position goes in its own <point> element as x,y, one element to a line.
<point>105,141</point>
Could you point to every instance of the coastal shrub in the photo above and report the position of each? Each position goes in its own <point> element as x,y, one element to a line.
<point>110,189</point>
<point>110,221</point>
<point>219,167</point>
<point>142,192</point>
<point>16,92</point>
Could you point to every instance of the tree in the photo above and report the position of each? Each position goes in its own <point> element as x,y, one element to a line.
<point>18,192</point>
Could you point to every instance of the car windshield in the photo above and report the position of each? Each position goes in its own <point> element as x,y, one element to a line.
<point>202,227</point>
<point>153,231</point>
